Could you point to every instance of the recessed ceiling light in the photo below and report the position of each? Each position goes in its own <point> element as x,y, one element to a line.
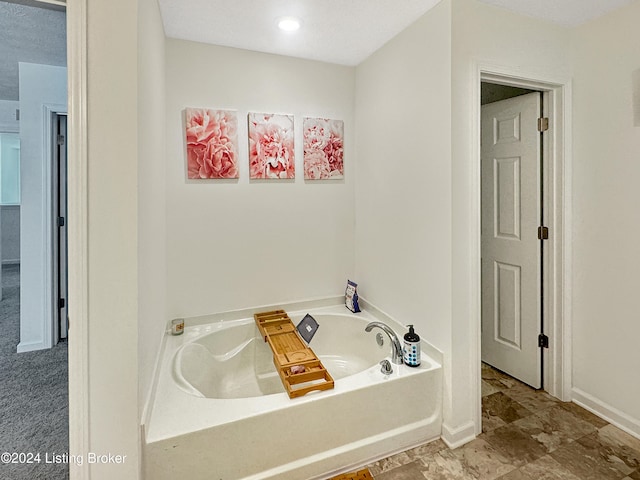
<point>289,24</point>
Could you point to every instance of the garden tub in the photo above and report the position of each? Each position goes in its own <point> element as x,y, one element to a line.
<point>220,411</point>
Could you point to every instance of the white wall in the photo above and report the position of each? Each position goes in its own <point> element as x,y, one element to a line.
<point>40,86</point>
<point>534,49</point>
<point>234,244</point>
<point>112,232</point>
<point>152,258</point>
<point>606,175</point>
<point>419,241</point>
<point>8,122</point>
<point>403,200</point>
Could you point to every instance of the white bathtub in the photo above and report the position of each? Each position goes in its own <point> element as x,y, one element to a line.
<point>220,412</point>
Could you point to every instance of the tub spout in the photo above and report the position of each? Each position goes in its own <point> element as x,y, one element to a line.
<point>396,347</point>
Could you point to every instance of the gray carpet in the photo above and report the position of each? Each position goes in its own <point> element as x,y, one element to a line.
<point>34,414</point>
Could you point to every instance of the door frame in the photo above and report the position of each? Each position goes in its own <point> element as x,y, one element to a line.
<point>558,252</point>
<point>77,198</point>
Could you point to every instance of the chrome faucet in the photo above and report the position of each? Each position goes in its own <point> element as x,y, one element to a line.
<point>396,347</point>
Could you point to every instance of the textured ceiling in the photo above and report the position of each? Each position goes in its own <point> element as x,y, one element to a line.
<point>336,31</point>
<point>28,34</point>
<point>569,13</point>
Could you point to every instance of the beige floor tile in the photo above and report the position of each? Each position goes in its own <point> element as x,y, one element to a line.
<point>554,427</point>
<point>497,379</point>
<point>504,407</point>
<point>519,447</point>
<point>617,448</point>
<point>406,457</point>
<point>584,414</point>
<point>613,435</point>
<point>516,474</point>
<point>426,450</point>
<point>490,422</point>
<point>534,400</point>
<point>585,463</point>
<point>476,460</point>
<point>442,468</point>
<point>389,463</point>
<point>488,389</point>
<point>545,468</point>
<point>410,471</point>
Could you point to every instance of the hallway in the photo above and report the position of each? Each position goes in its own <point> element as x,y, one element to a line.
<point>33,394</point>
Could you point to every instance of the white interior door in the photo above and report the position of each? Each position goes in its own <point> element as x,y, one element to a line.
<point>59,220</point>
<point>511,290</point>
<point>63,297</point>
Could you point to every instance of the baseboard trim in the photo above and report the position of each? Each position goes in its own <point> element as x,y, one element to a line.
<point>30,347</point>
<point>456,437</point>
<point>607,412</point>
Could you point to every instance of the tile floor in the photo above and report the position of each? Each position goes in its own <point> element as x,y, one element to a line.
<point>527,435</point>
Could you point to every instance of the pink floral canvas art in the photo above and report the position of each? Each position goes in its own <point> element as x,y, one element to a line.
<point>323,141</point>
<point>271,153</point>
<point>212,143</point>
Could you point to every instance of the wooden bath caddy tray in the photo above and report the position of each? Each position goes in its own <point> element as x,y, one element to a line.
<point>289,350</point>
<point>359,475</point>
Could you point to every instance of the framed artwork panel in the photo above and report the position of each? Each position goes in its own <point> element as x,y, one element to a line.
<point>212,143</point>
<point>271,146</point>
<point>323,141</point>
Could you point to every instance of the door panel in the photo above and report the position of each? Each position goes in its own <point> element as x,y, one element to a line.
<point>510,246</point>
<point>506,198</point>
<point>507,318</point>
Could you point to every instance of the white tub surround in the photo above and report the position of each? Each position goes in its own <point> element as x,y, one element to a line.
<point>220,411</point>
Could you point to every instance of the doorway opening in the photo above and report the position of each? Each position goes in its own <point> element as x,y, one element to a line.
<point>552,362</point>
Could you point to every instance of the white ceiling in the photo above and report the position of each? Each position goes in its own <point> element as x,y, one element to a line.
<point>569,13</point>
<point>337,31</point>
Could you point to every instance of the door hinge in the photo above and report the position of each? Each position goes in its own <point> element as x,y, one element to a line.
<point>543,233</point>
<point>543,124</point>
<point>543,341</point>
<point>61,303</point>
<point>60,139</point>
<point>61,221</point>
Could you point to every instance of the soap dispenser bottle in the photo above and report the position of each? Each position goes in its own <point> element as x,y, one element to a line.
<point>411,348</point>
